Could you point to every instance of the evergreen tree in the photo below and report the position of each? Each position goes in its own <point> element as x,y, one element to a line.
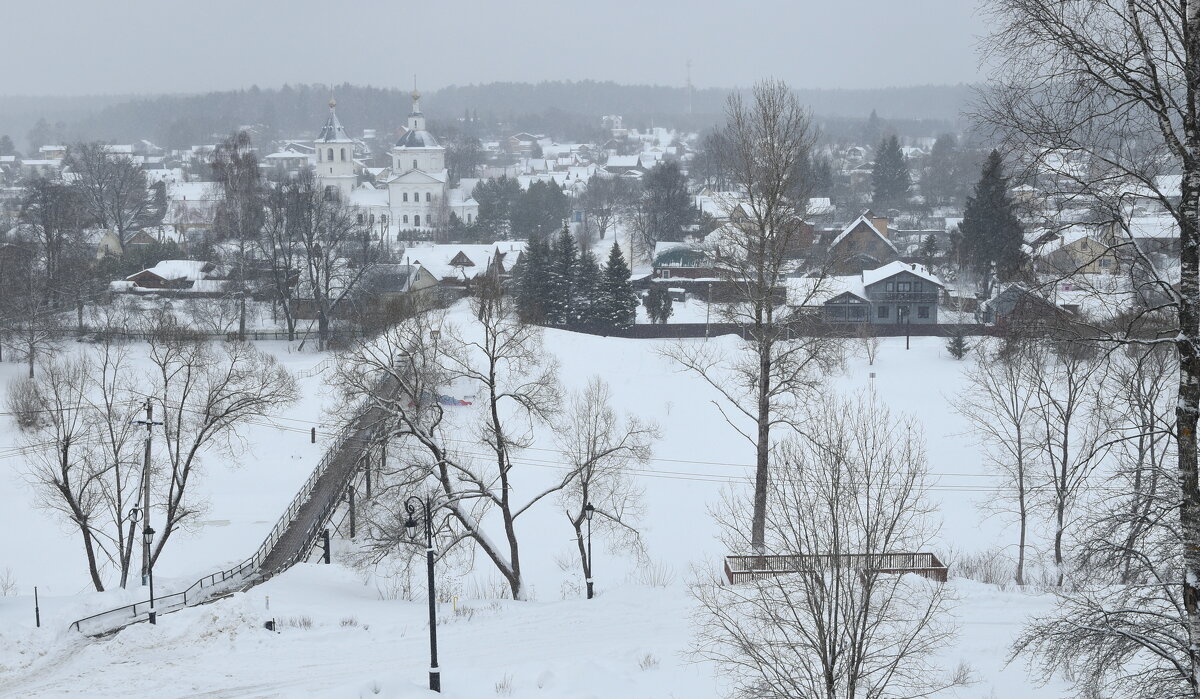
<point>940,180</point>
<point>498,200</point>
<point>890,179</point>
<point>619,300</point>
<point>956,343</point>
<point>991,232</point>
<point>658,304</point>
<point>589,304</point>
<point>6,146</point>
<point>929,250</point>
<point>563,269</point>
<point>533,282</point>
<point>540,210</point>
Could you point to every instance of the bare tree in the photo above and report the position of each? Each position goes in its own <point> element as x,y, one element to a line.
<point>1074,436</point>
<point>114,187</point>
<point>868,341</point>
<point>599,448</point>
<point>203,392</point>
<point>280,245</point>
<point>466,454</point>
<point>852,488</point>
<point>239,218</point>
<point>765,146</point>
<point>1000,401</point>
<point>1140,406</point>
<point>1118,83</point>
<point>56,441</point>
<point>336,251</point>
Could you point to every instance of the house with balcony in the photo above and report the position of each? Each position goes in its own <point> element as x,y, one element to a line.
<point>898,292</point>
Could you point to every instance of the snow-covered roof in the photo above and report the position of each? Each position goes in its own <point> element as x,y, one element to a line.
<point>622,161</point>
<point>191,270</point>
<point>819,206</point>
<point>862,219</point>
<point>872,276</point>
<point>814,291</point>
<point>447,261</point>
<point>417,139</point>
<point>1157,227</point>
<point>332,131</point>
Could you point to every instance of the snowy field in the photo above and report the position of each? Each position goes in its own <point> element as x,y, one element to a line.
<point>628,642</point>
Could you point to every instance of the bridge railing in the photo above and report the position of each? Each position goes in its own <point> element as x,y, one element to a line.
<point>746,568</point>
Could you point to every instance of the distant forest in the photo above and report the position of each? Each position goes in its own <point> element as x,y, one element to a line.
<point>564,110</point>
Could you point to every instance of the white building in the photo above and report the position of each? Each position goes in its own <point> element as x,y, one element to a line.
<point>413,194</point>
<point>335,166</point>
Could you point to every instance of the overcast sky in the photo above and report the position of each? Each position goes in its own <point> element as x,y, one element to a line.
<point>71,47</point>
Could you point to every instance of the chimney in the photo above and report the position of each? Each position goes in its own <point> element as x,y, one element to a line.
<point>880,223</point>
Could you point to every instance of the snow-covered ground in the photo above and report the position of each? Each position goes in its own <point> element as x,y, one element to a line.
<point>628,642</point>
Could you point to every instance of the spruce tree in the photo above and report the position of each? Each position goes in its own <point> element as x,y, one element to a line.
<point>658,304</point>
<point>589,303</point>
<point>619,300</point>
<point>991,231</point>
<point>890,179</point>
<point>563,268</point>
<point>531,282</point>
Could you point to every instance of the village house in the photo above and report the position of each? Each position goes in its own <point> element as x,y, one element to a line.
<point>898,292</point>
<point>862,245</point>
<point>194,276</point>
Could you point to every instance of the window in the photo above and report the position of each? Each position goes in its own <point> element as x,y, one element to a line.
<point>903,286</point>
<point>666,274</point>
<point>360,218</point>
<point>406,196</point>
<point>406,219</point>
<point>329,155</point>
<point>1105,263</point>
<point>417,220</point>
<point>888,286</point>
<point>343,155</point>
<point>922,311</point>
<point>414,163</point>
<point>468,218</point>
<point>916,286</point>
<point>856,312</point>
<point>882,312</point>
<point>383,219</point>
<point>428,196</point>
<point>372,220</point>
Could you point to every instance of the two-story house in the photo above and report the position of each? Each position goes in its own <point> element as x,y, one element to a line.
<point>898,292</point>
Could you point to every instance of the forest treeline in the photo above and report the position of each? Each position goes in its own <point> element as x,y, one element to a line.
<point>565,110</point>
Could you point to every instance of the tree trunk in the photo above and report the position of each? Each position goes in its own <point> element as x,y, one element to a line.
<point>763,448</point>
<point>1188,406</point>
<point>1023,515</point>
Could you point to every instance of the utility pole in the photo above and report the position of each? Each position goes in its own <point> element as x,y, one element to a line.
<point>147,532</point>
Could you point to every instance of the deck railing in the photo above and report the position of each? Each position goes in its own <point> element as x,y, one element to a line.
<point>746,568</point>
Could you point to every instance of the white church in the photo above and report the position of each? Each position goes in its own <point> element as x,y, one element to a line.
<point>413,194</point>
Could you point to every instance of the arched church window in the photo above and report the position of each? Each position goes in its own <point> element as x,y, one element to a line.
<point>383,219</point>
<point>329,155</point>
<point>414,163</point>
<point>343,155</point>
<point>372,220</point>
<point>406,219</point>
<point>406,196</point>
<point>428,196</point>
<point>417,220</point>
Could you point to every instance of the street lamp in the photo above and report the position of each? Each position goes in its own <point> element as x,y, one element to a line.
<point>148,537</point>
<point>588,512</point>
<point>410,525</point>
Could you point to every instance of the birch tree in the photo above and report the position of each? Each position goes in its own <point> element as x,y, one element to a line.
<point>1119,83</point>
<point>765,146</point>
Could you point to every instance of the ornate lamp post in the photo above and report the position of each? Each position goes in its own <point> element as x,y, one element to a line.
<point>148,537</point>
<point>411,506</point>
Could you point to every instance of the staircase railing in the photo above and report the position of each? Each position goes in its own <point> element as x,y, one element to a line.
<point>210,584</point>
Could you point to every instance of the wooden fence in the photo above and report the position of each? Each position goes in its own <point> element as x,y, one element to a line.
<point>746,568</point>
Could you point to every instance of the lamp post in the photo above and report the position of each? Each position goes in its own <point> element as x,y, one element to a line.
<point>588,511</point>
<point>148,537</point>
<point>410,506</point>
